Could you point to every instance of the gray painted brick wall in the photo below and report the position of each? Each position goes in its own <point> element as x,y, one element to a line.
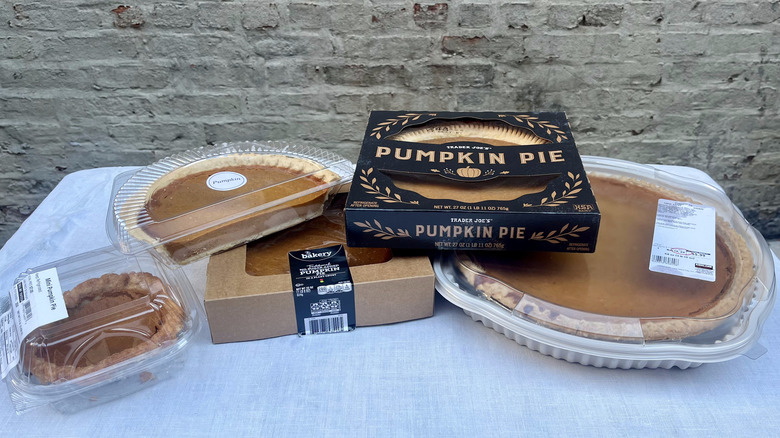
<point>88,83</point>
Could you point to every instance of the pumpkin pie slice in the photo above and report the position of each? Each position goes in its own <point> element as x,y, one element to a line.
<point>489,132</point>
<point>111,319</point>
<point>192,207</point>
<point>611,294</point>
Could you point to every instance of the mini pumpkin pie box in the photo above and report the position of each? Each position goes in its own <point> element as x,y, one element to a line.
<point>679,278</point>
<point>94,327</point>
<point>479,181</point>
<point>249,289</point>
<point>190,205</point>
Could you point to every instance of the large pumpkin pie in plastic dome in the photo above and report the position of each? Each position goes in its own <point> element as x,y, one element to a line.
<point>609,308</point>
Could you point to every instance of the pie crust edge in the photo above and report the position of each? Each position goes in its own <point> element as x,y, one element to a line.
<point>457,130</point>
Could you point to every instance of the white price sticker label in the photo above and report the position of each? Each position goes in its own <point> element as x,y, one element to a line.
<point>9,339</point>
<point>684,240</point>
<point>35,300</point>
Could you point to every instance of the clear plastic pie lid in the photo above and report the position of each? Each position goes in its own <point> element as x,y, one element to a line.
<point>210,199</point>
<point>107,318</point>
<point>596,301</point>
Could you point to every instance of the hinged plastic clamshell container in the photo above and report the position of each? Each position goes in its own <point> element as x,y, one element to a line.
<point>129,320</point>
<point>210,199</point>
<point>608,308</point>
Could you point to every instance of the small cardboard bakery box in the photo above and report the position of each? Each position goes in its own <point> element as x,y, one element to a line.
<point>242,307</point>
<point>477,181</point>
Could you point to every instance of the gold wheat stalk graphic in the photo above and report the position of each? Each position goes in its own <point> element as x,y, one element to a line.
<point>534,122</point>
<point>572,188</point>
<point>369,184</point>
<point>559,236</point>
<point>389,123</point>
<point>384,233</point>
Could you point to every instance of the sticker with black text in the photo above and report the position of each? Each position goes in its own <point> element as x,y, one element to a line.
<point>35,300</point>
<point>322,290</point>
<point>684,240</point>
<point>226,181</point>
<point>9,339</point>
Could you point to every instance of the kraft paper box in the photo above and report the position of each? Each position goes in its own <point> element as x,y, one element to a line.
<point>476,181</point>
<point>243,307</point>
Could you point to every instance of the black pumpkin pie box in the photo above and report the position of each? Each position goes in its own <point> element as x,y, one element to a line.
<point>471,180</point>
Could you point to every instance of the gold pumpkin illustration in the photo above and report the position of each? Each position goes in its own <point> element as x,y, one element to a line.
<point>468,172</point>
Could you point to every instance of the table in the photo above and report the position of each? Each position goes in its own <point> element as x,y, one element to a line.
<point>441,376</point>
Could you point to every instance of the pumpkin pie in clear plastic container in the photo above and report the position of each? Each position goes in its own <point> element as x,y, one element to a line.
<point>608,308</point>
<point>210,199</point>
<point>129,320</point>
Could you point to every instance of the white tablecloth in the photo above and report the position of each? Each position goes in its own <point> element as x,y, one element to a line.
<point>441,376</point>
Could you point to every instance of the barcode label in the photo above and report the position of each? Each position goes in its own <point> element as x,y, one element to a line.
<point>37,300</point>
<point>334,288</point>
<point>326,324</point>
<point>20,292</point>
<point>323,292</point>
<point>671,261</point>
<point>28,313</point>
<point>9,342</point>
<point>684,240</point>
